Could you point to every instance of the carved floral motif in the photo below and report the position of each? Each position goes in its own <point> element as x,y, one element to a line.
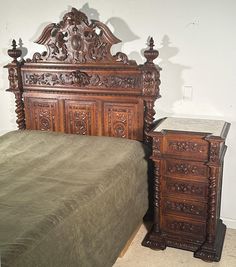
<point>211,223</point>
<point>186,169</point>
<point>184,227</point>
<point>157,176</point>
<point>214,151</point>
<point>82,121</point>
<point>184,207</point>
<point>148,119</point>
<point>81,79</point>
<point>185,188</point>
<point>13,78</point>
<point>151,82</point>
<point>44,116</point>
<point>118,121</point>
<point>184,146</point>
<point>156,147</point>
<point>81,117</point>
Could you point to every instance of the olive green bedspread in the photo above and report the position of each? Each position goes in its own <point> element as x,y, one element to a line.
<point>68,200</point>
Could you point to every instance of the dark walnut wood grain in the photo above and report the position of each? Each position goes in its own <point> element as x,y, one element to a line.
<point>187,192</point>
<point>77,85</point>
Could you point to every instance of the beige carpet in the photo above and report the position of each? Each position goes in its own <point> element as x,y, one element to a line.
<point>139,256</point>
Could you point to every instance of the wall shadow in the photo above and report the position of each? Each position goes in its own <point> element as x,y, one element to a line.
<point>118,27</point>
<point>24,50</point>
<point>171,76</point>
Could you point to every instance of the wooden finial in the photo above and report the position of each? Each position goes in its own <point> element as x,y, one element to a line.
<point>14,52</point>
<point>150,54</point>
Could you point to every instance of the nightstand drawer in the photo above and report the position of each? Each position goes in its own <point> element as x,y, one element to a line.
<point>184,188</point>
<point>181,226</point>
<point>184,168</point>
<point>184,208</point>
<point>186,147</point>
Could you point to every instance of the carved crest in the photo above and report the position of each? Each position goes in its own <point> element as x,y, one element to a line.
<point>76,40</point>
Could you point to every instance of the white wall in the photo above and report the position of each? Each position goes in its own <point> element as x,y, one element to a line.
<point>197,44</point>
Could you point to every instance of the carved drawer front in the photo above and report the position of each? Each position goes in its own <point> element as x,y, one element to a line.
<point>81,117</point>
<point>186,147</point>
<point>185,227</point>
<point>184,189</point>
<point>121,120</point>
<point>184,208</point>
<point>182,168</point>
<point>42,114</point>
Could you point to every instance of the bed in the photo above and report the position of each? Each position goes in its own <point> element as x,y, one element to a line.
<point>74,177</point>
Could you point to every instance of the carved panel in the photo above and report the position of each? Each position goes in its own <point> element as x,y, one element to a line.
<point>157,191</point>
<point>76,40</point>
<point>185,208</point>
<point>214,154</point>
<point>43,114</point>
<point>185,168</point>
<point>75,78</point>
<point>190,148</point>
<point>212,203</point>
<point>148,119</point>
<point>184,146</point>
<point>121,120</point>
<point>80,79</point>
<point>13,78</point>
<point>175,186</point>
<point>193,228</point>
<point>151,82</point>
<point>156,147</point>
<point>81,117</point>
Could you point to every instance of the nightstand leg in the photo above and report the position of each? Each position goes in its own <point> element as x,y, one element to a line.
<point>212,251</point>
<point>154,240</point>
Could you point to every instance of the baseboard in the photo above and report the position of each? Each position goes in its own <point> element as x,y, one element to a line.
<point>230,223</point>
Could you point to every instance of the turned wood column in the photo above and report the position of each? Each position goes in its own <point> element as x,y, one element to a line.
<point>15,83</point>
<point>151,82</point>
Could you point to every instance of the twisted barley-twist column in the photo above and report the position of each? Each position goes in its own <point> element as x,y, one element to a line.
<point>20,111</point>
<point>148,119</point>
<point>212,206</point>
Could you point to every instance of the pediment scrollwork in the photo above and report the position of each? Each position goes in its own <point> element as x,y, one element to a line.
<point>77,40</point>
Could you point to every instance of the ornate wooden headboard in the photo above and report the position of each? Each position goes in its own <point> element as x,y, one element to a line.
<point>77,86</point>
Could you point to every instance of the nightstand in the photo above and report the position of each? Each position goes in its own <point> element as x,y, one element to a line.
<point>188,166</point>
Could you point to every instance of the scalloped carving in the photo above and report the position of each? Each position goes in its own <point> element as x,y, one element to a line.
<point>76,40</point>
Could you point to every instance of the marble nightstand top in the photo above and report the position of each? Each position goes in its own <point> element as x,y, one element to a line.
<point>215,127</point>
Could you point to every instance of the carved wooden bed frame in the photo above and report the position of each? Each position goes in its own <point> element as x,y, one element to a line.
<point>77,86</point>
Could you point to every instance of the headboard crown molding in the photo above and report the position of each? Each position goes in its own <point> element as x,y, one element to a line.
<point>76,40</point>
